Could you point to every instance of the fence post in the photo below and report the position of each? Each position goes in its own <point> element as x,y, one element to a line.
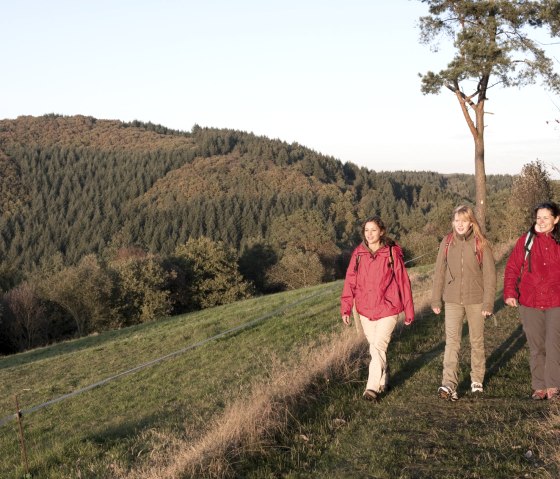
<point>21,438</point>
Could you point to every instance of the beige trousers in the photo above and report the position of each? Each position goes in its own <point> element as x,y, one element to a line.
<point>378,334</point>
<point>454,315</point>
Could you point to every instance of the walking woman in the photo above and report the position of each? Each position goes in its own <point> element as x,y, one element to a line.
<point>465,281</point>
<point>532,282</point>
<point>378,285</point>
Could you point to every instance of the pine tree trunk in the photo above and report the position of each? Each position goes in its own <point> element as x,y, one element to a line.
<point>480,182</point>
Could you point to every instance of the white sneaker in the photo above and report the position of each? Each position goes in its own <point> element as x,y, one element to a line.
<point>447,393</point>
<point>476,388</point>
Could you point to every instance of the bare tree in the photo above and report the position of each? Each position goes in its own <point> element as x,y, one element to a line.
<point>492,47</point>
<point>531,187</point>
<point>27,316</point>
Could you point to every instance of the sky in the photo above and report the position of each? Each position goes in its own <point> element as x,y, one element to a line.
<point>339,77</point>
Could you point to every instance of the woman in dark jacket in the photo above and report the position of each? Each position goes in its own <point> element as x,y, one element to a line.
<point>378,285</point>
<point>532,281</point>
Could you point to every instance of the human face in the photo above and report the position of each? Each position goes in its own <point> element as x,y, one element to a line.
<point>545,221</point>
<point>372,233</point>
<point>461,224</point>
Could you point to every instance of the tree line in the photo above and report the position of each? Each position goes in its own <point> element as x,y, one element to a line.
<point>110,224</point>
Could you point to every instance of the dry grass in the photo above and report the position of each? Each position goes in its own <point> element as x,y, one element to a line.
<point>251,424</point>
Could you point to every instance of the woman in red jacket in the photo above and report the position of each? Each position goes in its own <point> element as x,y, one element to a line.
<point>378,285</point>
<point>532,281</point>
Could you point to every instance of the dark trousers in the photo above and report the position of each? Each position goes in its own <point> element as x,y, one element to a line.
<point>542,329</point>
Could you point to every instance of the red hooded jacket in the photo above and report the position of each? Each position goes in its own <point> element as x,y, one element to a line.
<point>540,284</point>
<point>378,288</point>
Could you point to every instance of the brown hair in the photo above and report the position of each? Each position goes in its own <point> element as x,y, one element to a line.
<point>555,212</point>
<point>384,240</point>
<point>467,212</point>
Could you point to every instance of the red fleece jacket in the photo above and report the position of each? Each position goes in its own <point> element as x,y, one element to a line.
<point>540,284</point>
<point>377,288</point>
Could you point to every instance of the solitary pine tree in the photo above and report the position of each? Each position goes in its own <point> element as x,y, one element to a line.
<point>492,47</point>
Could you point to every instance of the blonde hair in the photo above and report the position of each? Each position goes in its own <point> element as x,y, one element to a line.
<point>467,212</point>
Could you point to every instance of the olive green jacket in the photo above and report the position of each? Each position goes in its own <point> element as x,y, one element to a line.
<point>460,278</point>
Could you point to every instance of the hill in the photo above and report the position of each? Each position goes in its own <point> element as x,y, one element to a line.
<point>76,185</point>
<point>279,398</point>
<point>105,224</point>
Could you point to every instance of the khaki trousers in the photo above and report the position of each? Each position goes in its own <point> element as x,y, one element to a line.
<point>454,315</point>
<point>542,329</point>
<point>378,334</point>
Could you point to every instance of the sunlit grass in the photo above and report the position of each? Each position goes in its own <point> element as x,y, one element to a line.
<point>280,399</point>
<point>105,426</point>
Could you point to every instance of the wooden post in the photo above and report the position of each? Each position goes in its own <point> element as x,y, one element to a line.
<point>21,438</point>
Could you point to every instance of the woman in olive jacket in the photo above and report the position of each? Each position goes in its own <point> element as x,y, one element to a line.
<point>465,280</point>
<point>378,285</point>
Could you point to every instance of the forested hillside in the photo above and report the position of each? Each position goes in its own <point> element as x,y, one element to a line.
<point>75,184</point>
<point>167,219</point>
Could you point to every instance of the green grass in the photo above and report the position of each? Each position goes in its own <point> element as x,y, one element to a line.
<point>409,434</point>
<point>85,435</point>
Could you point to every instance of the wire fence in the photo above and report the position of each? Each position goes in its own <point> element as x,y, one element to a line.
<point>18,415</point>
<point>24,412</point>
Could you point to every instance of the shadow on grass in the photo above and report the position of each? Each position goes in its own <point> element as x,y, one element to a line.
<point>410,368</point>
<point>497,360</point>
<point>501,356</point>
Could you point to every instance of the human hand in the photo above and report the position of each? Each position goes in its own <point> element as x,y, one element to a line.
<point>486,313</point>
<point>346,319</point>
<point>408,321</point>
<point>436,310</point>
<point>511,302</point>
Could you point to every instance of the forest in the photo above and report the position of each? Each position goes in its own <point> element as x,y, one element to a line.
<point>104,224</point>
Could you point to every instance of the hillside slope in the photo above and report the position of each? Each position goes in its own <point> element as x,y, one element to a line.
<point>77,185</point>
<point>148,422</point>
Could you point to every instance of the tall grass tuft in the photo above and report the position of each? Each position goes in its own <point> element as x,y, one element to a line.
<point>251,424</point>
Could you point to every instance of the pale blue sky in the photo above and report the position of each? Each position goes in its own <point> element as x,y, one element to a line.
<point>339,77</point>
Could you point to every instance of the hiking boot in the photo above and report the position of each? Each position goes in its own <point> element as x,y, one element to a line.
<point>539,394</point>
<point>553,394</point>
<point>447,393</point>
<point>476,388</point>
<point>370,395</point>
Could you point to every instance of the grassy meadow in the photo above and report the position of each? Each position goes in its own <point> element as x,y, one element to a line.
<point>281,398</point>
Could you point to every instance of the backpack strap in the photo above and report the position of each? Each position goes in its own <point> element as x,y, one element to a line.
<point>391,260</point>
<point>448,241</point>
<point>527,248</point>
<point>478,251</point>
<point>358,256</point>
<point>528,245</point>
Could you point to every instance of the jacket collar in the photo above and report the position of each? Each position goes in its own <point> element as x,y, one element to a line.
<point>467,236</point>
<point>363,249</point>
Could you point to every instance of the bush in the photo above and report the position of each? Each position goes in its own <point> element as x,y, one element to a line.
<point>140,295</point>
<point>212,273</point>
